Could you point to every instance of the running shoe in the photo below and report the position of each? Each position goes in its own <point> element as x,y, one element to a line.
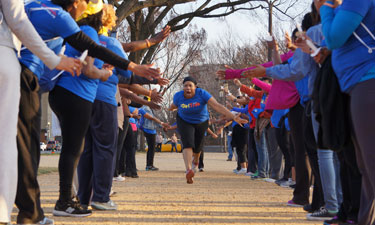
<point>110,205</point>
<point>45,220</point>
<point>293,204</point>
<point>229,159</point>
<point>70,208</point>
<point>242,171</point>
<point>335,220</point>
<point>151,168</point>
<point>201,169</point>
<point>321,215</point>
<point>189,176</point>
<point>269,180</point>
<point>280,181</point>
<point>119,178</point>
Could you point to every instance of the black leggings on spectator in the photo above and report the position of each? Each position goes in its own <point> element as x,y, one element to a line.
<point>283,140</point>
<point>362,109</point>
<point>120,155</point>
<point>151,139</point>
<point>74,115</point>
<point>301,192</point>
<point>239,140</point>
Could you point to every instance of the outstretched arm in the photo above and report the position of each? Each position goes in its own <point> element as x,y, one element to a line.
<point>224,111</point>
<point>147,43</point>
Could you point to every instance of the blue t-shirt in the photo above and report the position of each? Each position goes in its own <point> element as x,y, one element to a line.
<point>257,111</point>
<point>51,22</point>
<point>352,61</point>
<point>107,90</point>
<point>81,85</point>
<point>131,119</point>
<point>193,110</point>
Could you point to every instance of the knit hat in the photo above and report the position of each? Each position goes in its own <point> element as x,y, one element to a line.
<point>191,79</point>
<point>93,7</point>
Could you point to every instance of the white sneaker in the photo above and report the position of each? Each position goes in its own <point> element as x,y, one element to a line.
<point>242,171</point>
<point>119,178</point>
<point>110,205</point>
<point>270,180</point>
<point>235,171</point>
<point>287,184</point>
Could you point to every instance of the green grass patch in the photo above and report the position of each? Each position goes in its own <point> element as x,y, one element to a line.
<point>47,170</point>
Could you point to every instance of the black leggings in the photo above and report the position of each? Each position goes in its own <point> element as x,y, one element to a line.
<point>239,141</point>
<point>150,138</point>
<point>283,137</point>
<point>192,135</point>
<point>362,109</point>
<point>74,115</point>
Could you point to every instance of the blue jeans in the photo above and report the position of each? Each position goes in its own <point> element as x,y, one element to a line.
<point>329,168</point>
<point>174,146</point>
<point>263,160</point>
<point>229,144</point>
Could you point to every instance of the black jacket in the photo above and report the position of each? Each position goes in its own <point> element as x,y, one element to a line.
<point>331,107</point>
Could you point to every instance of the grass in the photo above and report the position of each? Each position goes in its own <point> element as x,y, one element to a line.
<point>47,170</point>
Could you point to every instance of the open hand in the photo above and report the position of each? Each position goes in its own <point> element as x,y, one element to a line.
<point>258,71</point>
<point>70,65</point>
<point>156,96</point>
<point>162,35</point>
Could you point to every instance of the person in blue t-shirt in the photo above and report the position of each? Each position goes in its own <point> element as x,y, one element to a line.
<point>149,124</point>
<point>349,33</point>
<point>192,120</point>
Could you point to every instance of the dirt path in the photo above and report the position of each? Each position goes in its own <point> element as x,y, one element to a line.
<point>217,196</point>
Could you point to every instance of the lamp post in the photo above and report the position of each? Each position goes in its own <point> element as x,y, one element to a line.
<point>48,131</point>
<point>221,95</point>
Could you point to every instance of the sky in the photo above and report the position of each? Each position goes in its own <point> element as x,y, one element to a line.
<point>245,25</point>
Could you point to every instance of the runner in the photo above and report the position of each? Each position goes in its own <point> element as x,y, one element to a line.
<point>192,120</point>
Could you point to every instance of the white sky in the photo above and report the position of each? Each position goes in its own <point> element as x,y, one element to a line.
<point>247,25</point>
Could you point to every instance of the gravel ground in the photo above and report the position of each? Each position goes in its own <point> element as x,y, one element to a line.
<point>218,196</point>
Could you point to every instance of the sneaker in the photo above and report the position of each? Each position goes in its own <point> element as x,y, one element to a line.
<point>269,180</point>
<point>280,181</point>
<point>119,178</point>
<point>151,168</point>
<point>70,208</point>
<point>235,171</point>
<point>287,183</point>
<point>189,176</point>
<point>320,215</point>
<point>45,220</point>
<point>194,167</point>
<point>110,205</point>
<point>242,171</point>
<point>201,169</point>
<point>112,192</point>
<point>229,159</point>
<point>258,178</point>
<point>292,186</point>
<point>293,204</point>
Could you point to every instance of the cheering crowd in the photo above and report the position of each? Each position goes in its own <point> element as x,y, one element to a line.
<point>306,121</point>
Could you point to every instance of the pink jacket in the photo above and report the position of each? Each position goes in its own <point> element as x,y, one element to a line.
<point>232,74</point>
<point>282,94</point>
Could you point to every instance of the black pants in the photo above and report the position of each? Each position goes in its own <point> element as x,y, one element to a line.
<point>120,154</point>
<point>362,109</point>
<point>28,136</point>
<point>311,149</point>
<point>351,180</point>
<point>274,154</point>
<point>130,148</point>
<point>201,158</point>
<point>252,153</point>
<point>151,139</point>
<point>301,192</point>
<point>192,135</point>
<point>239,141</point>
<point>74,114</point>
<point>283,137</point>
<point>95,168</point>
